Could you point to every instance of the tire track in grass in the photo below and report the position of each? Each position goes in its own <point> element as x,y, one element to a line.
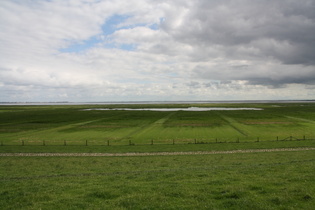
<point>300,119</point>
<point>231,122</point>
<point>34,133</point>
<point>148,127</point>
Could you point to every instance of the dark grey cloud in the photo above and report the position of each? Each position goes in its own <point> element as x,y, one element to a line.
<point>281,29</point>
<point>272,75</point>
<point>269,43</point>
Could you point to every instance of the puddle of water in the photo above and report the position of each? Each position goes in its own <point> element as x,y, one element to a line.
<point>191,109</point>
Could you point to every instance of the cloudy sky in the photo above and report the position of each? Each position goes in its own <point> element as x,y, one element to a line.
<point>140,50</point>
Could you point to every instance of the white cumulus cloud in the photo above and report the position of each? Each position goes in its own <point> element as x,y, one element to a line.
<point>105,50</point>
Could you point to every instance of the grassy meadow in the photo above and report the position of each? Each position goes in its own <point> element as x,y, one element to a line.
<point>58,125</point>
<point>276,180</point>
<point>258,180</point>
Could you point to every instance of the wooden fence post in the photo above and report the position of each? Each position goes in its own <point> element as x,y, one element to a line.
<point>107,142</point>
<point>64,143</point>
<point>151,141</point>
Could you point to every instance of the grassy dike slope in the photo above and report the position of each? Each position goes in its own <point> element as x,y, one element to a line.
<point>275,180</point>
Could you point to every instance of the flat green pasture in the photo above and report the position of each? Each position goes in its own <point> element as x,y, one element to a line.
<point>274,180</point>
<point>73,125</point>
<point>271,180</point>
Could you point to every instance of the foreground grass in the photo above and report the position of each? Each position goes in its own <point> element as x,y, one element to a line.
<point>277,180</point>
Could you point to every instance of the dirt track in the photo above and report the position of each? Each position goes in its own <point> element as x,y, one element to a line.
<point>149,153</point>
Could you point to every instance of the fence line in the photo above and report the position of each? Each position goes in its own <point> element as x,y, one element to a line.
<point>151,142</point>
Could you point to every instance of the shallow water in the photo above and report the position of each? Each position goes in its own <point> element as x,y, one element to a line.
<point>191,109</point>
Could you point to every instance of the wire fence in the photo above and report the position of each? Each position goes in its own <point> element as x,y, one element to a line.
<point>149,142</point>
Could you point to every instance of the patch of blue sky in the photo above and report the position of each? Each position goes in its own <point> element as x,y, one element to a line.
<point>154,26</point>
<point>127,47</point>
<point>112,24</point>
<point>115,23</point>
<point>109,27</point>
<point>82,46</point>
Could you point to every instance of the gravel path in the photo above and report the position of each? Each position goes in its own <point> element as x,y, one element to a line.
<point>149,153</point>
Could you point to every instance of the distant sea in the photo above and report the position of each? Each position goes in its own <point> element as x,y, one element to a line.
<point>153,102</point>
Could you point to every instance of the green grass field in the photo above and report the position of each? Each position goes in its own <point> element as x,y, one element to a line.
<point>258,180</point>
<point>56,124</point>
<point>277,180</point>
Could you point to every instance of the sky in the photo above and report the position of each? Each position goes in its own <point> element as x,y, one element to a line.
<point>156,50</point>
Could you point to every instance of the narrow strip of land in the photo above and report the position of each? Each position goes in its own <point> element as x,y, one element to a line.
<point>150,153</point>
